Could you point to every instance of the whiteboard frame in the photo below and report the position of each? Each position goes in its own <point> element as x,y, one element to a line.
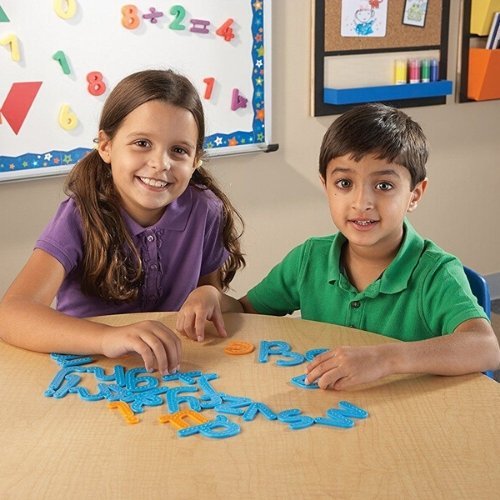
<point>31,165</point>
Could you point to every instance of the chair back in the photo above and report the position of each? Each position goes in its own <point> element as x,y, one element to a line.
<point>481,291</point>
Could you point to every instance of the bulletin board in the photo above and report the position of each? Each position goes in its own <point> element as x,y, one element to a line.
<point>361,55</point>
<point>398,35</point>
<point>59,60</point>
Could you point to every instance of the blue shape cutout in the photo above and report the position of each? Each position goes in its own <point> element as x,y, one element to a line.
<point>211,429</point>
<point>255,408</point>
<point>174,400</point>
<point>294,418</point>
<point>233,404</point>
<point>349,410</point>
<point>295,359</point>
<point>139,384</point>
<point>299,381</point>
<point>66,360</point>
<point>312,353</point>
<point>272,347</point>
<point>335,419</point>
<point>71,382</point>
<point>149,398</point>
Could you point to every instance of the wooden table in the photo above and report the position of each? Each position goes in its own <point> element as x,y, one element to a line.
<point>426,436</point>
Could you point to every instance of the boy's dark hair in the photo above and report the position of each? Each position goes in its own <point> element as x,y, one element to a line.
<point>112,266</point>
<point>379,130</point>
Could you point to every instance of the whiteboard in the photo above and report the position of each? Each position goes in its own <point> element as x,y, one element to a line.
<point>52,53</point>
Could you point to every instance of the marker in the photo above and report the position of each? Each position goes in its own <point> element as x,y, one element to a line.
<point>434,70</point>
<point>400,71</point>
<point>414,70</point>
<point>425,68</point>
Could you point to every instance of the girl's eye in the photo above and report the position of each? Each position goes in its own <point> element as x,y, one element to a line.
<point>384,186</point>
<point>180,151</point>
<point>343,183</point>
<point>142,143</point>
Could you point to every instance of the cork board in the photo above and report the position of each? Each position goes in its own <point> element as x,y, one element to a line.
<point>398,35</point>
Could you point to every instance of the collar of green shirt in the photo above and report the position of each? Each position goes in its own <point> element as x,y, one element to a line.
<point>395,278</point>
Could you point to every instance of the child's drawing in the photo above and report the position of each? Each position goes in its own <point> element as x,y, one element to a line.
<point>364,18</point>
<point>414,13</point>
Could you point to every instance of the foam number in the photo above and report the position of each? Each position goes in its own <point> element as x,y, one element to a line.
<point>238,101</point>
<point>65,9</point>
<point>60,57</point>
<point>125,410</point>
<point>179,13</point>
<point>226,31</point>
<point>209,88</point>
<point>12,42</point>
<point>130,17</point>
<point>67,119</point>
<point>96,85</point>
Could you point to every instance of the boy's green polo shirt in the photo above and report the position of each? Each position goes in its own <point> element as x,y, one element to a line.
<point>423,293</point>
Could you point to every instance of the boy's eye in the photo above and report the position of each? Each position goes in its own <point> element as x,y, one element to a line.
<point>384,186</point>
<point>343,183</point>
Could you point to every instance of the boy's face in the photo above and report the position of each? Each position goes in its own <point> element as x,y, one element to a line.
<point>368,201</point>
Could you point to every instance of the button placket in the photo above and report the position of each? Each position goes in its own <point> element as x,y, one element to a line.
<point>354,313</point>
<point>152,266</point>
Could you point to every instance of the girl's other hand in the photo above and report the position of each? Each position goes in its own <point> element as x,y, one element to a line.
<point>202,304</point>
<point>158,346</point>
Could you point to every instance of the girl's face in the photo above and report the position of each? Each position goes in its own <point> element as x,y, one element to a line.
<point>152,157</point>
<point>368,202</point>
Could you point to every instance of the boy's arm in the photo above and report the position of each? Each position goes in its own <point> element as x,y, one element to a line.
<point>472,347</point>
<point>207,302</point>
<point>28,321</point>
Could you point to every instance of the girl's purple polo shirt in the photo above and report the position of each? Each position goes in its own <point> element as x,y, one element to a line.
<point>185,244</point>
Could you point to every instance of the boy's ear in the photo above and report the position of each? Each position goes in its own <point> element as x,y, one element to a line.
<point>323,181</point>
<point>104,147</point>
<point>417,194</point>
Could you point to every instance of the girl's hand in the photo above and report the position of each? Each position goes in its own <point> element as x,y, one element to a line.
<point>157,345</point>
<point>347,366</point>
<point>203,303</point>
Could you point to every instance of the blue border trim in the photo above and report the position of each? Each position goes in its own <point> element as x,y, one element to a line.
<point>30,161</point>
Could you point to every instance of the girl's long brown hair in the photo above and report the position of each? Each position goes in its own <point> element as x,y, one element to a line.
<point>112,267</point>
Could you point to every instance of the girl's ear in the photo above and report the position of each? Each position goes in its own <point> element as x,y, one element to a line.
<point>104,147</point>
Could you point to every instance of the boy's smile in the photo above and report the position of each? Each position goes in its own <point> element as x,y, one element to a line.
<point>368,201</point>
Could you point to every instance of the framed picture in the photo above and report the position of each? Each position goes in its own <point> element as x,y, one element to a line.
<point>414,12</point>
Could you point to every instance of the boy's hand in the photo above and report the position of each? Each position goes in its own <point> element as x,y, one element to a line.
<point>202,304</point>
<point>347,366</point>
<point>157,345</point>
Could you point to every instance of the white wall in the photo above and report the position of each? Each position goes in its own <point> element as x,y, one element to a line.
<point>279,194</point>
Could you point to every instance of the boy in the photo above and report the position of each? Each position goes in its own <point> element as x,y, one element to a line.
<point>375,274</point>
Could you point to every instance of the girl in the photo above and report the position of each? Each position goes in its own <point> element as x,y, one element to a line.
<point>143,226</point>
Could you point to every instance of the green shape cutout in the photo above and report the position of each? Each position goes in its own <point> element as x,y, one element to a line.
<point>3,16</point>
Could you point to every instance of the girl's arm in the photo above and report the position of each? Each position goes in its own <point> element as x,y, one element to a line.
<point>28,321</point>
<point>472,347</point>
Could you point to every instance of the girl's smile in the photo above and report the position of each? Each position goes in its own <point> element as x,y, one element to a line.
<point>152,157</point>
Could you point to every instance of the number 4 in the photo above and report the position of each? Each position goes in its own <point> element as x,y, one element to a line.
<point>226,31</point>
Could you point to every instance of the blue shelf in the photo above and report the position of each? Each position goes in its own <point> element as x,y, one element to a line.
<point>387,92</point>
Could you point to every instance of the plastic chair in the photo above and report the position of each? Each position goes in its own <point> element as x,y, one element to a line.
<point>481,291</point>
